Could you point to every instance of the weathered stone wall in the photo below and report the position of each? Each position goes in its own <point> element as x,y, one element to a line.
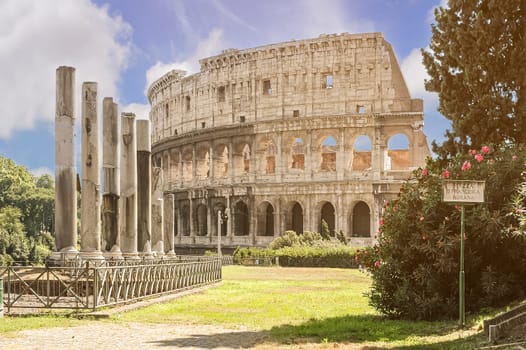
<point>286,135</point>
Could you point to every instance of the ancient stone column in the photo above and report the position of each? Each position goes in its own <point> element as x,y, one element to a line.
<point>168,223</point>
<point>157,211</point>
<point>111,174</point>
<point>90,195</point>
<point>65,173</point>
<point>144,188</point>
<point>128,181</point>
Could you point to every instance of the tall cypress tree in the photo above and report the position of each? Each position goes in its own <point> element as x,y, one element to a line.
<point>477,64</point>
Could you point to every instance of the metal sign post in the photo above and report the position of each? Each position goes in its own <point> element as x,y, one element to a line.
<point>462,192</point>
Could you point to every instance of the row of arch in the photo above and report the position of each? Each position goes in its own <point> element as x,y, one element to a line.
<point>267,216</point>
<point>217,162</point>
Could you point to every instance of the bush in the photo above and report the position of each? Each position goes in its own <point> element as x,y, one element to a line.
<point>313,256</point>
<point>415,266</point>
<point>309,249</point>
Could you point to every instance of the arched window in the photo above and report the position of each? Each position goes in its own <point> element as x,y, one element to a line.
<point>328,154</point>
<point>185,220</point>
<point>362,153</point>
<point>265,219</point>
<point>296,222</point>
<point>201,220</point>
<point>221,161</point>
<point>398,153</point>
<point>327,215</point>
<point>241,219</point>
<point>298,154</point>
<point>361,220</point>
<point>246,158</point>
<point>270,154</point>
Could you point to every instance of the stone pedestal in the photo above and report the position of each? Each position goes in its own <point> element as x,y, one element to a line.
<point>111,174</point>
<point>90,195</point>
<point>65,172</point>
<point>128,182</point>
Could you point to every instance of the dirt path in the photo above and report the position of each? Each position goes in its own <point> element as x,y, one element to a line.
<point>130,336</point>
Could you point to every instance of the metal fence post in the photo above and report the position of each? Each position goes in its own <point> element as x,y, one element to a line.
<point>1,297</point>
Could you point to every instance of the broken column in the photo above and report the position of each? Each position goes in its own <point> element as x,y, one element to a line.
<point>65,173</point>
<point>144,187</point>
<point>111,175</point>
<point>90,201</point>
<point>168,224</point>
<point>128,182</point>
<point>157,211</point>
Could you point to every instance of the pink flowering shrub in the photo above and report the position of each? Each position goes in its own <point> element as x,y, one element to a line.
<point>416,276</point>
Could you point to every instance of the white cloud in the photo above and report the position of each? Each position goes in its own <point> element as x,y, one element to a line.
<point>415,73</point>
<point>38,36</point>
<point>211,45</point>
<point>41,171</point>
<point>141,111</point>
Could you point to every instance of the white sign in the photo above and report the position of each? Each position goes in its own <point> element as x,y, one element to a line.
<point>463,191</point>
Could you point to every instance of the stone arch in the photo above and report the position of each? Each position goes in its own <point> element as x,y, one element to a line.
<point>221,156</point>
<point>397,152</point>
<point>187,165</point>
<point>246,158</point>
<point>242,158</point>
<point>200,220</point>
<point>217,208</point>
<point>294,217</point>
<point>185,220</point>
<point>270,157</point>
<point>297,153</point>
<point>328,213</point>
<point>361,220</point>
<point>166,166</point>
<point>174,165</point>
<point>362,153</point>
<point>202,170</point>
<point>328,149</point>
<point>265,219</point>
<point>241,219</point>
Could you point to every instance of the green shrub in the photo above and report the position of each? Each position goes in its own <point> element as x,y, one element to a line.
<point>313,256</point>
<point>288,239</point>
<point>415,266</point>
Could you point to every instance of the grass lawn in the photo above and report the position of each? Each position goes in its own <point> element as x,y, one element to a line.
<point>296,305</point>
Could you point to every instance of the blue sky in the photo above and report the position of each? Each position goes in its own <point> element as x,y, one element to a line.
<point>126,44</point>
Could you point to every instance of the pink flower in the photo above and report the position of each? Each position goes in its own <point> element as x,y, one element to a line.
<point>485,149</point>
<point>425,172</point>
<point>513,157</point>
<point>381,222</point>
<point>445,174</point>
<point>422,218</point>
<point>466,166</point>
<point>376,263</point>
<point>472,152</point>
<point>479,157</point>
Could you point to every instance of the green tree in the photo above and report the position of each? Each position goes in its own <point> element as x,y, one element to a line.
<point>416,263</point>
<point>29,202</point>
<point>14,245</point>
<point>477,65</point>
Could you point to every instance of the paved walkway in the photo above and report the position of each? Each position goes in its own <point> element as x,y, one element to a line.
<point>129,336</point>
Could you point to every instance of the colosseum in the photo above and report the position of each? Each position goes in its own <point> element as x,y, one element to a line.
<point>284,136</point>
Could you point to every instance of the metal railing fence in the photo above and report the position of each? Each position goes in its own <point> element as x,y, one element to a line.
<point>91,286</point>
